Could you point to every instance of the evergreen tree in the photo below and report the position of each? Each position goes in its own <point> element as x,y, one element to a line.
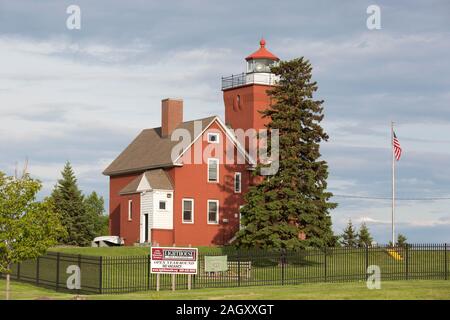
<point>350,237</point>
<point>293,203</point>
<point>364,237</point>
<point>401,240</point>
<point>95,209</point>
<point>69,202</point>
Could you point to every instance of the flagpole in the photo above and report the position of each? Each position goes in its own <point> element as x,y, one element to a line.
<point>393,183</point>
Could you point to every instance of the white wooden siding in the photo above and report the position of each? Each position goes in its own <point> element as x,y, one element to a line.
<point>157,219</point>
<point>162,219</point>
<point>146,208</point>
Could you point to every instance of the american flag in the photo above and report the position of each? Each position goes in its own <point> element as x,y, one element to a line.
<point>397,148</point>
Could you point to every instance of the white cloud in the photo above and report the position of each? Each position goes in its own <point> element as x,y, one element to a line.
<point>83,97</point>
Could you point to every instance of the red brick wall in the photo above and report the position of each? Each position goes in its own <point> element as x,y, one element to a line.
<point>191,182</point>
<point>253,98</point>
<point>171,115</point>
<point>162,237</point>
<point>116,183</point>
<point>130,229</point>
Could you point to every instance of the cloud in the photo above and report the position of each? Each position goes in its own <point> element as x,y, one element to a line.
<point>84,95</point>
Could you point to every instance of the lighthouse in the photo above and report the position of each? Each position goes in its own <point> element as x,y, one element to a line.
<point>245,94</point>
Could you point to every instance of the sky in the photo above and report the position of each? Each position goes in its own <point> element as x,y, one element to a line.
<point>83,95</point>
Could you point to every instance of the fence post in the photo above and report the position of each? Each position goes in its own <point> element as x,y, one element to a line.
<point>407,260</point>
<point>57,271</point>
<point>446,261</point>
<point>37,270</point>
<point>189,276</point>
<point>239,269</point>
<point>174,277</point>
<point>367,261</point>
<point>148,271</point>
<point>325,264</point>
<point>100,284</point>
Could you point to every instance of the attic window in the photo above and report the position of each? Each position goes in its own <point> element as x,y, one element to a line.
<point>162,205</point>
<point>213,137</point>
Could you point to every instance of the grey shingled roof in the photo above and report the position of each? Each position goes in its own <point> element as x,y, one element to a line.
<point>149,150</point>
<point>157,178</point>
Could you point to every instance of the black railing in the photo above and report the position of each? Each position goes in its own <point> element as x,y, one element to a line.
<point>51,271</point>
<point>235,80</point>
<point>121,274</point>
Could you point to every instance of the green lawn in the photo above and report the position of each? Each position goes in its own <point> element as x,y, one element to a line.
<point>390,290</point>
<point>121,251</point>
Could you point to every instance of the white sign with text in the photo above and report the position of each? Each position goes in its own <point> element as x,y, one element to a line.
<point>169,260</point>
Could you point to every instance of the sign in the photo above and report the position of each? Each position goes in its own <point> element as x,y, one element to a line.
<point>171,260</point>
<point>216,263</point>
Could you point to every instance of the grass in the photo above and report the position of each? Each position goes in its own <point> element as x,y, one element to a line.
<point>122,251</point>
<point>390,290</point>
<point>105,252</point>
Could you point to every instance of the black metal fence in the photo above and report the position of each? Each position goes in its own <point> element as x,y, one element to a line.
<point>52,271</point>
<point>121,274</point>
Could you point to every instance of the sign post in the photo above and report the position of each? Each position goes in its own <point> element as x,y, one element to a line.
<point>189,278</point>
<point>170,260</point>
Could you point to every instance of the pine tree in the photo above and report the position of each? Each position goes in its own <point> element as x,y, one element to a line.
<point>95,209</point>
<point>364,237</point>
<point>69,202</point>
<point>293,202</point>
<point>350,237</point>
<point>401,240</point>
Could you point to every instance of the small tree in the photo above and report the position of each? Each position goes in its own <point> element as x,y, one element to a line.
<point>364,237</point>
<point>401,240</point>
<point>95,209</point>
<point>69,202</point>
<point>350,237</point>
<point>27,227</point>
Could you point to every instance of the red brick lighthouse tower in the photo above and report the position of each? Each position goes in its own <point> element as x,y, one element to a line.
<point>245,94</point>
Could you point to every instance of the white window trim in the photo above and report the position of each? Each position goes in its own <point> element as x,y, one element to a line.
<point>214,134</point>
<point>240,182</point>
<point>217,161</point>
<point>217,214</point>
<point>182,210</point>
<point>130,210</point>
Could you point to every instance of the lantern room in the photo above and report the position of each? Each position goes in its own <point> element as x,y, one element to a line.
<point>261,60</point>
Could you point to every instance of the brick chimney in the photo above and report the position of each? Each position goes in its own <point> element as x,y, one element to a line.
<point>171,115</point>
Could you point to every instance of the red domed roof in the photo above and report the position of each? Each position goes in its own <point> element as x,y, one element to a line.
<point>262,53</point>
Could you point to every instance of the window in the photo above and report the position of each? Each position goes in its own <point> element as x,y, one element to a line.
<point>238,101</point>
<point>188,211</point>
<point>213,137</point>
<point>213,170</point>
<point>130,210</point>
<point>162,205</point>
<point>237,182</point>
<point>250,64</point>
<point>213,211</point>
